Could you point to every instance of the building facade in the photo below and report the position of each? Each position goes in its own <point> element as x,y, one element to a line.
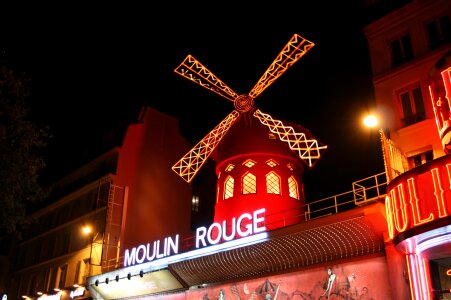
<point>410,49</point>
<point>55,257</point>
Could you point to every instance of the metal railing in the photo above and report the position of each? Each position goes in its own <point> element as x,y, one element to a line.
<point>364,191</point>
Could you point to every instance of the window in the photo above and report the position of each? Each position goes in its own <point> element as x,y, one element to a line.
<point>439,32</point>
<point>412,106</point>
<point>66,242</point>
<point>62,272</point>
<point>86,269</point>
<point>77,272</point>
<point>47,278</point>
<point>230,167</point>
<point>249,183</point>
<point>228,187</point>
<point>293,188</point>
<point>271,163</point>
<point>53,276</point>
<point>195,203</point>
<point>401,50</point>
<point>420,159</point>
<point>272,183</point>
<point>33,287</point>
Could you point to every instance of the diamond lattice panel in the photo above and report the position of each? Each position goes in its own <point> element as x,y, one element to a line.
<point>340,240</point>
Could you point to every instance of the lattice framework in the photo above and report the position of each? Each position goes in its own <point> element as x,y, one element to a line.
<point>307,148</point>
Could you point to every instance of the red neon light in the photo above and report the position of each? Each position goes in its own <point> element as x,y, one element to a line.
<point>413,277</point>
<point>426,287</point>
<point>419,196</point>
<point>448,272</point>
<point>440,93</point>
<point>399,208</point>
<point>388,211</point>
<point>439,195</point>
<point>446,75</point>
<point>414,201</point>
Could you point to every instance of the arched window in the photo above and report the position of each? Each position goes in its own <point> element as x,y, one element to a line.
<point>293,188</point>
<point>228,187</point>
<point>249,183</point>
<point>272,183</point>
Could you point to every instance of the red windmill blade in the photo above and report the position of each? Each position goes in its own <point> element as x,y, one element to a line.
<point>307,148</point>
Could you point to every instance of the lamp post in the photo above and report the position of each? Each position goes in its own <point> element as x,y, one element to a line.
<point>372,121</point>
<point>395,162</point>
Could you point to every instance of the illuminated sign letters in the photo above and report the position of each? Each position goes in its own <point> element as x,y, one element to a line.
<point>144,253</point>
<point>245,225</point>
<point>237,226</point>
<point>77,293</point>
<point>50,297</point>
<point>419,197</point>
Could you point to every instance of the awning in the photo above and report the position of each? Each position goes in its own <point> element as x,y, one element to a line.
<point>357,232</point>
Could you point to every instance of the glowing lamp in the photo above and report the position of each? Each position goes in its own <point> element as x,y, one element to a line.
<point>370,121</point>
<point>86,229</point>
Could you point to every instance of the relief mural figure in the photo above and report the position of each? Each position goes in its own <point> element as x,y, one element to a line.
<point>329,284</point>
<point>334,283</point>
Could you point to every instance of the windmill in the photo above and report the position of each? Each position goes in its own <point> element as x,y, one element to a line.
<point>308,149</point>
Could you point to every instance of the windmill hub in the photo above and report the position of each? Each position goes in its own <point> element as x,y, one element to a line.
<point>244,103</point>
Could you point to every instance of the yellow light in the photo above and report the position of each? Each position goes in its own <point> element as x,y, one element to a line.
<point>86,229</point>
<point>370,121</point>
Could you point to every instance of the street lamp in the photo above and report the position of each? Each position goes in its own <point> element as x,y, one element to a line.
<point>372,121</point>
<point>87,230</point>
<point>96,249</point>
<point>395,161</point>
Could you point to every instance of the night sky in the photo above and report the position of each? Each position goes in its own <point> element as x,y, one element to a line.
<point>93,66</point>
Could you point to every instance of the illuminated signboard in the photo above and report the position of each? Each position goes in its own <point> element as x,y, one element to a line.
<point>50,297</point>
<point>419,196</point>
<point>245,225</point>
<point>77,292</point>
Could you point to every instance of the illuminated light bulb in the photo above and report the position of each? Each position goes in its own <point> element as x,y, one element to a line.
<point>87,230</point>
<point>370,121</point>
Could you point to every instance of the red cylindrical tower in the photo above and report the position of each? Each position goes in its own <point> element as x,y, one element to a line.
<point>255,170</point>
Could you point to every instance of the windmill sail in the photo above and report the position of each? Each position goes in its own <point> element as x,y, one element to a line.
<point>307,147</point>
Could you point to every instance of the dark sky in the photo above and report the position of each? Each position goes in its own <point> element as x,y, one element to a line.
<point>93,66</point>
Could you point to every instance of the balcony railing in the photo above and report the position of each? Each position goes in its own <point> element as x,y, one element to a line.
<point>364,191</point>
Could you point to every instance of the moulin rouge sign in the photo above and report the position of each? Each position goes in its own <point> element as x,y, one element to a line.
<point>419,196</point>
<point>245,225</point>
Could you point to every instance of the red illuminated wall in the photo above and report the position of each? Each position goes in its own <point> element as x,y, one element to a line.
<point>158,202</point>
<point>248,140</point>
